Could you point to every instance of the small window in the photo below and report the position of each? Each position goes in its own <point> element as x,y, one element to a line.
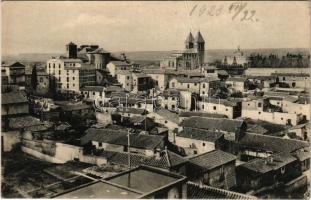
<point>195,84</point>
<point>195,152</point>
<point>59,65</point>
<point>54,65</point>
<point>188,86</point>
<point>173,98</point>
<point>226,109</point>
<point>259,105</point>
<point>165,122</point>
<point>67,85</point>
<point>281,118</point>
<point>214,107</point>
<point>202,106</point>
<point>283,78</point>
<point>59,72</point>
<point>173,107</point>
<point>93,93</point>
<point>203,92</point>
<point>203,144</point>
<point>100,144</point>
<point>128,77</point>
<point>73,85</point>
<point>259,113</point>
<point>67,79</point>
<point>73,78</point>
<point>203,85</point>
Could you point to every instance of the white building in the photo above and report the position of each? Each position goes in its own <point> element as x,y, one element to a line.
<point>238,84</point>
<point>202,86</point>
<point>71,74</point>
<point>220,106</point>
<point>114,66</point>
<point>94,93</point>
<point>125,79</point>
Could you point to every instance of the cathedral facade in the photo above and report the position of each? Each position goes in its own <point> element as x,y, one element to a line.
<point>190,58</point>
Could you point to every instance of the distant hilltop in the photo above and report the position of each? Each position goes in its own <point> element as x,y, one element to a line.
<point>210,55</point>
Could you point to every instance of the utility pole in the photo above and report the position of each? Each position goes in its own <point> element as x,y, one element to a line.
<point>128,158</point>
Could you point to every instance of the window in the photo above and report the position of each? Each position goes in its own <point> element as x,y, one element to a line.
<point>173,107</point>
<point>100,144</point>
<point>73,85</point>
<point>173,98</point>
<point>67,79</point>
<point>127,77</point>
<point>195,84</point>
<point>195,152</point>
<point>283,78</point>
<point>53,65</point>
<point>59,79</point>
<point>67,85</point>
<point>93,93</point>
<point>214,107</point>
<point>203,144</point>
<point>202,106</point>
<point>188,86</point>
<point>165,122</point>
<point>74,64</point>
<point>226,109</point>
<point>203,92</point>
<point>203,85</point>
<point>259,105</point>
<point>259,113</point>
<point>173,85</point>
<point>59,65</point>
<point>59,72</point>
<point>281,118</point>
<point>49,65</point>
<point>73,78</point>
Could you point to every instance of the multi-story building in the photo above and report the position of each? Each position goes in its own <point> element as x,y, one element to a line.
<point>220,106</point>
<point>15,73</point>
<point>125,79</point>
<point>202,86</point>
<point>115,66</point>
<point>71,74</point>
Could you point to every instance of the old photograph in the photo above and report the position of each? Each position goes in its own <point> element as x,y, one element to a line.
<point>155,99</point>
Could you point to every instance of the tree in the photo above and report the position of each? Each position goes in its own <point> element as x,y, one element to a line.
<point>52,86</point>
<point>34,78</point>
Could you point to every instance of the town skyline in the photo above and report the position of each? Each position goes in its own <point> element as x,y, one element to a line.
<point>110,25</point>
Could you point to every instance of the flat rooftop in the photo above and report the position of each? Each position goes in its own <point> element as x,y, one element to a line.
<point>100,190</point>
<point>132,184</point>
<point>143,180</point>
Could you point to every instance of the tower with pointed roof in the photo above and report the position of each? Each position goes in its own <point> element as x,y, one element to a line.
<point>189,41</point>
<point>199,44</point>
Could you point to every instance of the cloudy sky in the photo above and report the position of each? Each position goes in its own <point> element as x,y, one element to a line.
<point>45,27</point>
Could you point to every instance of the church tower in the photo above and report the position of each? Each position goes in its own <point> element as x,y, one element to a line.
<point>189,41</point>
<point>199,44</point>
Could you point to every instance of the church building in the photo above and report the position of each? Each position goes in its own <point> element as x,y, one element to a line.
<point>190,58</point>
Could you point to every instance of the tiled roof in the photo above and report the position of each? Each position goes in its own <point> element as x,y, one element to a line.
<point>131,110</point>
<point>13,64</point>
<point>196,79</point>
<point>22,122</point>
<point>78,106</point>
<point>93,88</point>
<point>114,88</point>
<point>169,116</point>
<point>271,143</point>
<point>200,134</point>
<point>140,75</point>
<point>237,79</point>
<point>201,114</point>
<point>229,125</point>
<point>212,159</point>
<point>170,93</point>
<point>120,138</point>
<point>264,165</point>
<point>195,191</point>
<point>257,129</point>
<point>166,160</point>
<point>292,74</point>
<point>13,97</point>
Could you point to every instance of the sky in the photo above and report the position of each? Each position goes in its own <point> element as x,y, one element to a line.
<point>46,27</point>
